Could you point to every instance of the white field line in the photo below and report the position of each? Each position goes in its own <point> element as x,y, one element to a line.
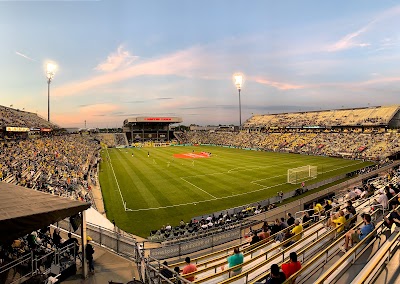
<point>116,180</point>
<point>199,188</point>
<point>229,196</point>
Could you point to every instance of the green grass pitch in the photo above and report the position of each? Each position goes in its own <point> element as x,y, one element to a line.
<point>162,189</point>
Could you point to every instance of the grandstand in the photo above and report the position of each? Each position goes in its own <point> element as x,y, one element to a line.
<point>365,133</point>
<point>358,117</point>
<point>66,165</point>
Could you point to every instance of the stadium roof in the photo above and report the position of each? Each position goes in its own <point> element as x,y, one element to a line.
<point>154,119</point>
<point>24,210</point>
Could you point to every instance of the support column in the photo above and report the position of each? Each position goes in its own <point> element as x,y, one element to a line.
<point>84,242</point>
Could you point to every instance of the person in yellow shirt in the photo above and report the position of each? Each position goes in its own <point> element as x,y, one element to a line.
<point>339,221</point>
<point>298,228</point>
<point>318,208</point>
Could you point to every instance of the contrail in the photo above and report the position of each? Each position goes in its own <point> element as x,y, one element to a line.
<point>24,56</point>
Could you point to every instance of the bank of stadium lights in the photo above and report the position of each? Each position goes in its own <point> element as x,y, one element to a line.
<point>50,71</point>
<point>238,79</point>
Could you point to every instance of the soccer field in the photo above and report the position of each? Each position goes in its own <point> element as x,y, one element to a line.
<point>165,185</point>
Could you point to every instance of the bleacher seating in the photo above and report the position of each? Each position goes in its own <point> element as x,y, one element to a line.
<point>17,118</point>
<point>317,248</point>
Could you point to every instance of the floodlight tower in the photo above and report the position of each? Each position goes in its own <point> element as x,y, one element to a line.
<point>50,71</point>
<point>238,81</point>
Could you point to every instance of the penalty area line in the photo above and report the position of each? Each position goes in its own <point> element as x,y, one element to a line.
<point>199,188</point>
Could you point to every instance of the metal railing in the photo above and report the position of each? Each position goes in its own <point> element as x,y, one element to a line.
<point>370,271</point>
<point>335,270</point>
<point>118,242</point>
<point>32,264</point>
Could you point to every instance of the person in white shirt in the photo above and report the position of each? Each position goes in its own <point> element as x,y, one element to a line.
<point>383,200</point>
<point>351,195</point>
<point>357,191</point>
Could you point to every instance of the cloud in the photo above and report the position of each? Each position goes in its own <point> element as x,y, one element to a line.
<point>98,109</point>
<point>350,40</point>
<point>277,85</point>
<point>24,56</point>
<point>116,60</point>
<point>164,98</point>
<point>180,63</point>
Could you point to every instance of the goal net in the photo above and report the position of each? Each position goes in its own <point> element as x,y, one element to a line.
<point>300,174</point>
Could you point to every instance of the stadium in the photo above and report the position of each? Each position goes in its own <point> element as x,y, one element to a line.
<point>181,192</point>
<point>133,151</point>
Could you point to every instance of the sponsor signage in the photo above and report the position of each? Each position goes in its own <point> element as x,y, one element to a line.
<point>17,129</point>
<point>45,129</point>
<point>157,118</point>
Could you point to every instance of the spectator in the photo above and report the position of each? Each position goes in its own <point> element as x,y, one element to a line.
<point>290,220</point>
<point>277,276</point>
<point>327,206</point>
<point>71,240</point>
<point>298,228</point>
<point>382,200</point>
<point>306,217</point>
<point>235,259</point>
<point>189,268</point>
<point>292,266</point>
<point>339,221</point>
<point>57,240</point>
<point>255,239</point>
<point>350,208</point>
<point>355,236</point>
<point>166,272</point>
<point>177,271</point>
<point>89,250</point>
<point>394,218</point>
<point>264,235</point>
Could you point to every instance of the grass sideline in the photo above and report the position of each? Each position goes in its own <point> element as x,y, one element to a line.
<point>161,189</point>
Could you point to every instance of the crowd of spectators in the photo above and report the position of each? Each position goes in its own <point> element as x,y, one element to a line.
<point>57,165</point>
<point>355,145</point>
<point>372,116</point>
<point>41,244</point>
<point>206,224</point>
<point>17,118</point>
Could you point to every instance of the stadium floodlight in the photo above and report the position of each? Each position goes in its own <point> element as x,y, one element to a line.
<point>238,81</point>
<point>50,71</point>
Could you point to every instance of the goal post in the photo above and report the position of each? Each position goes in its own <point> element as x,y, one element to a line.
<point>300,174</point>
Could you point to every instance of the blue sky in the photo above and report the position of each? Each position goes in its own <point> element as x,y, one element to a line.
<point>118,59</point>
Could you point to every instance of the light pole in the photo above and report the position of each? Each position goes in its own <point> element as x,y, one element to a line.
<point>50,71</point>
<point>238,81</point>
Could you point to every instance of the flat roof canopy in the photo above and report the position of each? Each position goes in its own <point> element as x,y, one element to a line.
<point>23,210</point>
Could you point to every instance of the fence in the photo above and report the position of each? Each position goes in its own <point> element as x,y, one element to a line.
<point>38,264</point>
<point>119,242</point>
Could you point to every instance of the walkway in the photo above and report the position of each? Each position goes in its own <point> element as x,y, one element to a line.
<point>108,266</point>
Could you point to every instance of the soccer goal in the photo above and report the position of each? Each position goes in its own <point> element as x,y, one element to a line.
<point>300,174</point>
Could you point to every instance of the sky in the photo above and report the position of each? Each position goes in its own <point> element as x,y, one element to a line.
<point>119,59</point>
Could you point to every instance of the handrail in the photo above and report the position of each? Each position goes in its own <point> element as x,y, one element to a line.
<point>302,251</point>
<point>226,251</point>
<point>313,260</point>
<point>333,231</point>
<point>379,256</point>
<point>348,254</point>
<point>264,254</point>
